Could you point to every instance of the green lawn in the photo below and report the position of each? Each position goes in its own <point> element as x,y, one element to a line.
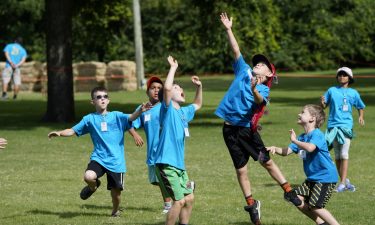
<point>40,179</point>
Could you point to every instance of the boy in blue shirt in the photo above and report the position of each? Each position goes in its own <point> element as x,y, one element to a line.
<point>317,163</point>
<point>170,155</point>
<point>241,108</point>
<point>150,122</point>
<point>341,99</point>
<point>106,130</point>
<point>15,56</point>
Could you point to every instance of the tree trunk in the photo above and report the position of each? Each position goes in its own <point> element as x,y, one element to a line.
<point>60,105</point>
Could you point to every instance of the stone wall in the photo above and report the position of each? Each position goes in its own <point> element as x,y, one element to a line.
<point>115,76</point>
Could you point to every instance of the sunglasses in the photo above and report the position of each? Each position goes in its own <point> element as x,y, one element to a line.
<point>101,96</point>
<point>342,75</point>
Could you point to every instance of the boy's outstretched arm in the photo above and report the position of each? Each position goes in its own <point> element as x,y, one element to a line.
<point>232,40</point>
<point>302,145</point>
<point>279,151</point>
<point>62,133</point>
<point>168,85</point>
<point>144,107</point>
<point>198,100</point>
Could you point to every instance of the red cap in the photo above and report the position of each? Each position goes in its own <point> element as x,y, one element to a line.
<point>152,80</point>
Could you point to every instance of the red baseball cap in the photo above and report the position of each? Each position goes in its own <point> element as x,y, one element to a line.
<point>152,80</point>
<point>262,58</point>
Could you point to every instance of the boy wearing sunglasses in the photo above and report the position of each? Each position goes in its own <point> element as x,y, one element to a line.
<point>107,134</point>
<point>341,99</point>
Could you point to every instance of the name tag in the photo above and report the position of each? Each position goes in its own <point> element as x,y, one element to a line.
<point>302,154</point>
<point>187,132</point>
<point>147,117</point>
<point>103,126</point>
<point>345,108</point>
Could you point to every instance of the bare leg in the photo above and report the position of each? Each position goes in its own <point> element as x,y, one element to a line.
<point>274,171</point>
<point>243,180</point>
<point>116,199</point>
<point>175,211</point>
<point>186,209</point>
<point>325,215</point>
<point>90,178</point>
<point>16,89</point>
<point>305,210</point>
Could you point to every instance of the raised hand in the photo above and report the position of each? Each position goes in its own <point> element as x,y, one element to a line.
<point>293,136</point>
<point>196,81</point>
<point>172,62</point>
<point>226,21</point>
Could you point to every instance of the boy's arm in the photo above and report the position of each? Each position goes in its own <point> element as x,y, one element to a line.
<point>361,119</point>
<point>258,98</point>
<point>279,151</point>
<point>302,145</point>
<point>144,107</point>
<point>9,60</point>
<point>168,85</point>
<point>232,40</point>
<point>198,100</point>
<point>323,102</point>
<point>62,133</point>
<point>21,62</point>
<point>137,138</point>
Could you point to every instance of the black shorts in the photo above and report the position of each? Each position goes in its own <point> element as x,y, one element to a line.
<point>242,143</point>
<point>316,194</point>
<point>114,180</point>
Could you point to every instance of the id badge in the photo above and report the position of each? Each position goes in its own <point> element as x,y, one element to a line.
<point>302,154</point>
<point>345,108</point>
<point>187,132</point>
<point>147,117</point>
<point>103,126</point>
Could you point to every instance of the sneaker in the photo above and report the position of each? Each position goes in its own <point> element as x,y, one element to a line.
<point>264,156</point>
<point>4,97</point>
<point>86,192</point>
<point>14,97</point>
<point>292,197</point>
<point>254,211</point>
<point>166,209</point>
<point>348,186</point>
<point>116,214</point>
<point>340,188</point>
<point>191,185</point>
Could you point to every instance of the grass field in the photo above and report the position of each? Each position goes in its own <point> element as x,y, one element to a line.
<point>40,179</point>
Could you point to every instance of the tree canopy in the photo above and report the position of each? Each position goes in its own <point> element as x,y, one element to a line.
<point>296,35</point>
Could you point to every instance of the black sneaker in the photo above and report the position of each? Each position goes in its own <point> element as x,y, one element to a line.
<point>254,211</point>
<point>86,192</point>
<point>292,197</point>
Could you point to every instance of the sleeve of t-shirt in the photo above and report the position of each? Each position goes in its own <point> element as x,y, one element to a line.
<point>317,139</point>
<point>240,65</point>
<point>264,91</point>
<point>358,103</point>
<point>137,123</point>
<point>82,127</point>
<point>189,111</point>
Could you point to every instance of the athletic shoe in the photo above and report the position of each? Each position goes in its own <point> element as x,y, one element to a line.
<point>116,214</point>
<point>4,97</point>
<point>254,211</point>
<point>166,209</point>
<point>86,192</point>
<point>14,97</point>
<point>348,186</point>
<point>340,188</point>
<point>292,197</point>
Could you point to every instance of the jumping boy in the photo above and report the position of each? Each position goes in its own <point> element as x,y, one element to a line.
<point>170,156</point>
<point>241,108</point>
<point>317,163</point>
<point>150,122</point>
<point>106,130</point>
<point>341,99</point>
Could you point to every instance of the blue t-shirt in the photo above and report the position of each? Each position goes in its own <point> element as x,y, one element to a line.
<point>237,106</point>
<point>16,53</point>
<point>171,149</point>
<point>108,145</point>
<point>341,101</point>
<point>149,120</point>
<point>318,165</point>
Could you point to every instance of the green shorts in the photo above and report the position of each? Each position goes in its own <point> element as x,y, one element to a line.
<point>173,181</point>
<point>316,194</point>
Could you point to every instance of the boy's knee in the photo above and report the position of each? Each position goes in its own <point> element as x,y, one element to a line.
<point>189,199</point>
<point>90,176</point>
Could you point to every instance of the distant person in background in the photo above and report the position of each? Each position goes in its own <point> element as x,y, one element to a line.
<point>15,56</point>
<point>341,99</point>
<point>3,143</point>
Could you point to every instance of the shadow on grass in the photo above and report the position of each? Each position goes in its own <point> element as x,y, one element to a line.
<point>65,215</point>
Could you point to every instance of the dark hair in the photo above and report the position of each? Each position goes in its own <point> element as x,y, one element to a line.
<point>317,112</point>
<point>351,80</point>
<point>18,40</point>
<point>96,89</point>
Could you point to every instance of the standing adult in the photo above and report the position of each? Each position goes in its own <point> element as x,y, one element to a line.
<point>15,56</point>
